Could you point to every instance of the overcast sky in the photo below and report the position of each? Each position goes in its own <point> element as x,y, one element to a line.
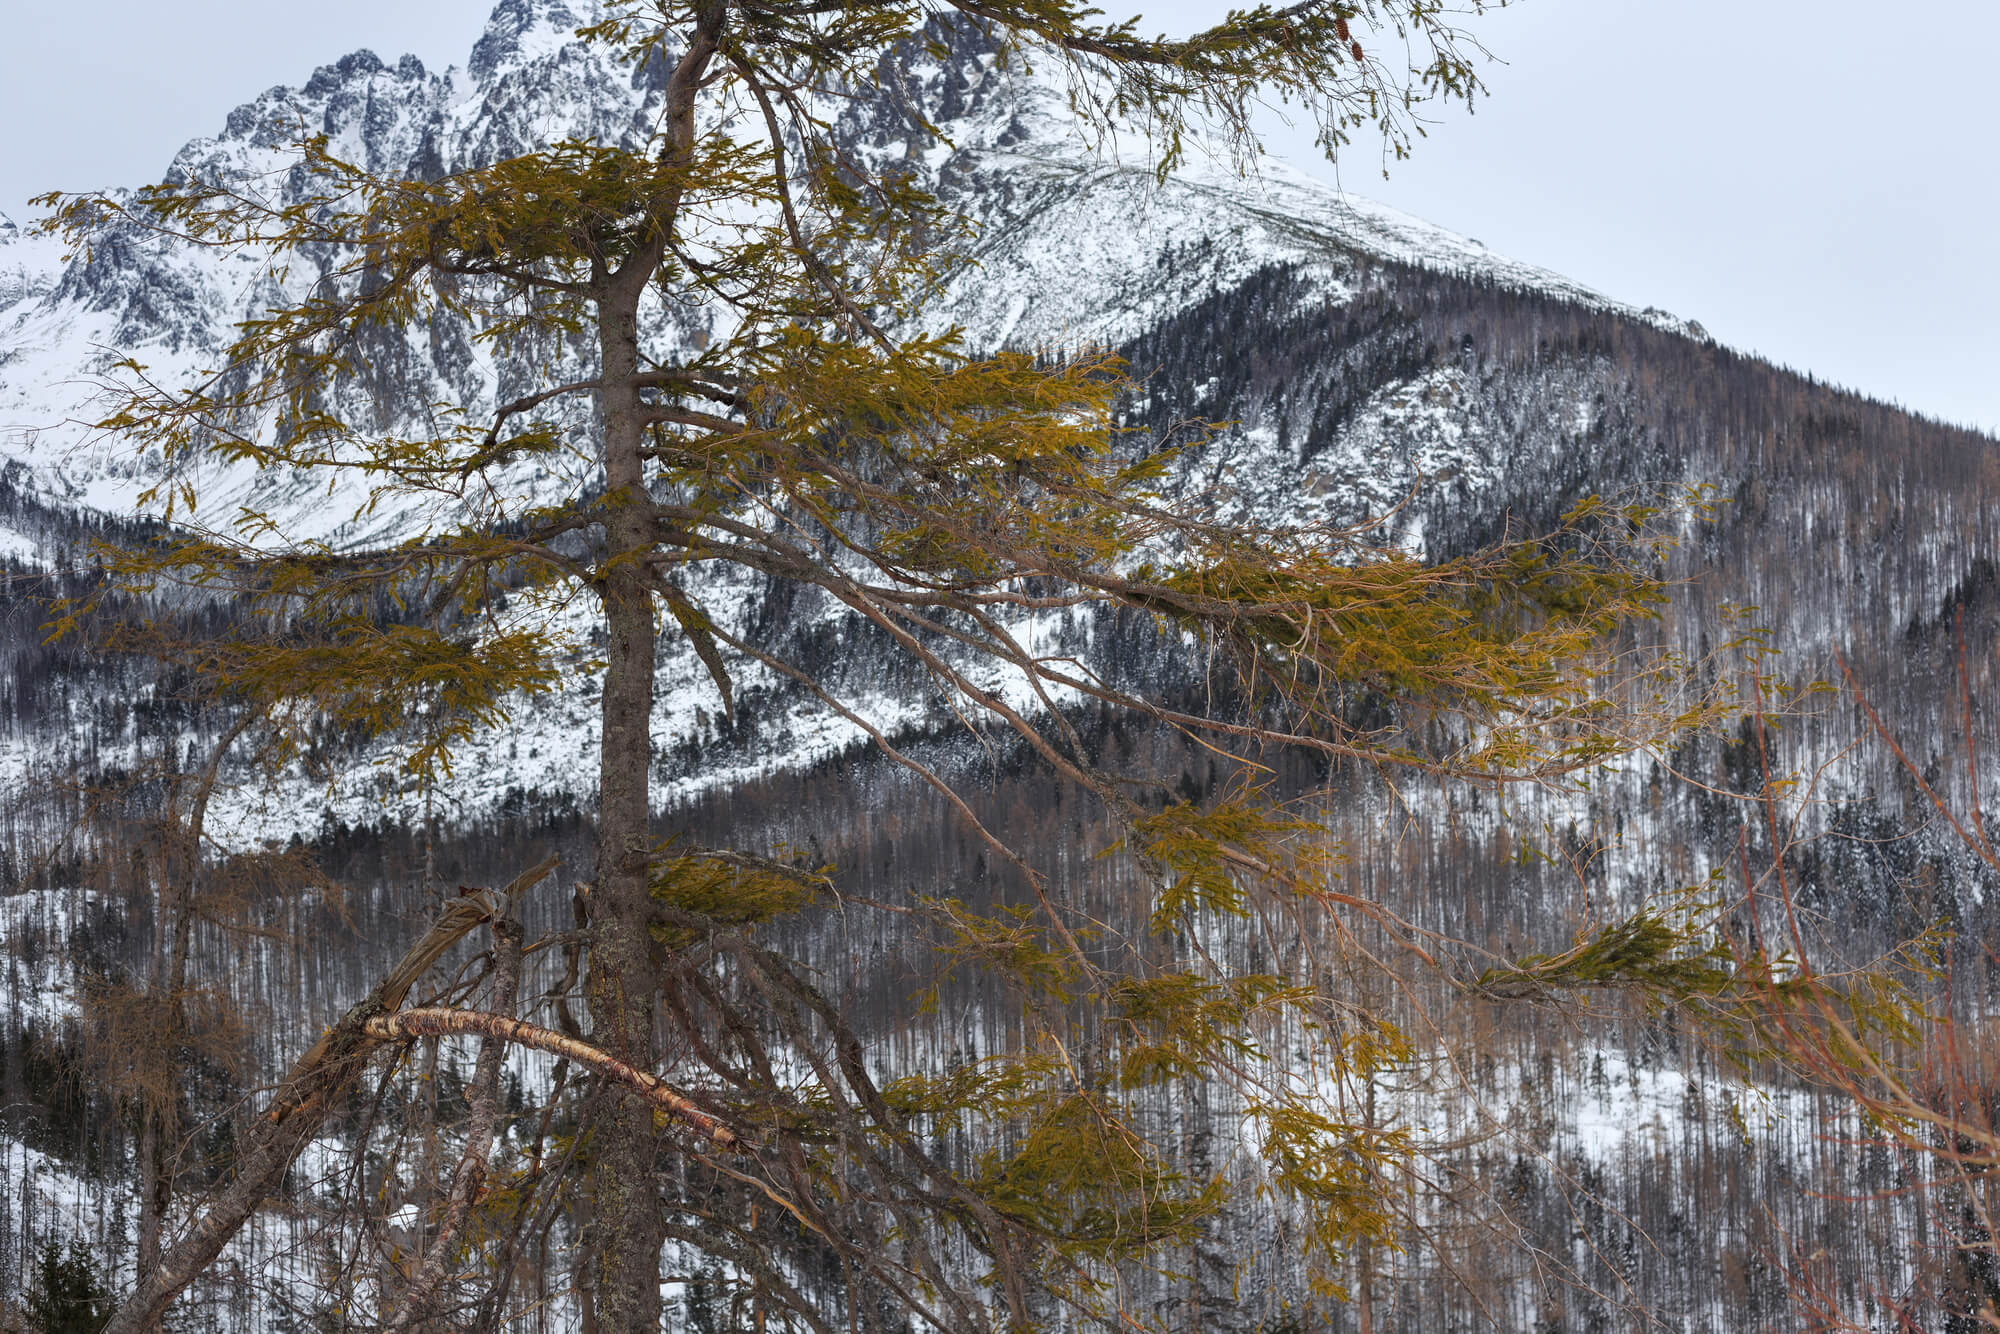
<point>1811,179</point>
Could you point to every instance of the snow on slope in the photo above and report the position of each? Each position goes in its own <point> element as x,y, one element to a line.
<point>1081,245</point>
<point>1107,251</point>
<point>29,264</point>
<point>1074,246</point>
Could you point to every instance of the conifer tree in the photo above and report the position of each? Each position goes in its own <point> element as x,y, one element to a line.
<point>938,496</point>
<point>67,1297</point>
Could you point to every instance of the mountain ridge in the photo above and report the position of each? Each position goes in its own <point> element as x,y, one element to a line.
<point>1070,248</point>
<point>1452,401</point>
<point>526,82</point>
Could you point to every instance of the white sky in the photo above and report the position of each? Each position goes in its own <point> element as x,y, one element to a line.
<point>1811,179</point>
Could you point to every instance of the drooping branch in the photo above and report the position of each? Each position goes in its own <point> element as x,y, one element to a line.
<point>439,1021</point>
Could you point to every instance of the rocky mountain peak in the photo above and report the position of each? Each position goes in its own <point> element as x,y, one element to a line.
<point>28,265</point>
<point>519,31</point>
<point>328,78</point>
<point>1077,241</point>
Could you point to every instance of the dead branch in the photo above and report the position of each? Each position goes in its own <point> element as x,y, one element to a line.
<point>442,1022</point>
<point>420,1300</point>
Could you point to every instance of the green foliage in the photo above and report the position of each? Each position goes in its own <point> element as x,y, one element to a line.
<point>1336,1170</point>
<point>1016,943</point>
<point>1675,956</point>
<point>1204,854</point>
<point>1665,951</point>
<point>1180,1022</point>
<point>1086,1179</point>
<point>932,497</point>
<point>67,1296</point>
<point>728,889</point>
<point>970,1091</point>
<point>1518,639</point>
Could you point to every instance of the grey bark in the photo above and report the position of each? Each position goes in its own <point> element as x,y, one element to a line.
<point>421,1298</point>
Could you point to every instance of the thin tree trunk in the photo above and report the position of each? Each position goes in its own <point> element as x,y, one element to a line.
<point>628,1222</point>
<point>421,1298</point>
<point>156,1188</point>
<point>180,887</point>
<point>1365,1294</point>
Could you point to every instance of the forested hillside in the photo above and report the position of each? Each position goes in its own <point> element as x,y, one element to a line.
<point>1587,1165</point>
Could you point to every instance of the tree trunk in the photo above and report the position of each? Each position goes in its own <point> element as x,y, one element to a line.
<point>156,1185</point>
<point>628,1224</point>
<point>630,1228</point>
<point>180,871</point>
<point>1365,1285</point>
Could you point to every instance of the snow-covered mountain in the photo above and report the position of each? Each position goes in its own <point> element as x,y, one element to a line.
<point>1073,245</point>
<point>1371,364</point>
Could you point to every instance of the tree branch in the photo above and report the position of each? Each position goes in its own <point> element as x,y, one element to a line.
<point>438,1021</point>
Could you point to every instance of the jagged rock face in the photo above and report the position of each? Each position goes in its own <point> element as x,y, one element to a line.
<point>27,269</point>
<point>1371,364</point>
<point>1074,244</point>
<point>529,83</point>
